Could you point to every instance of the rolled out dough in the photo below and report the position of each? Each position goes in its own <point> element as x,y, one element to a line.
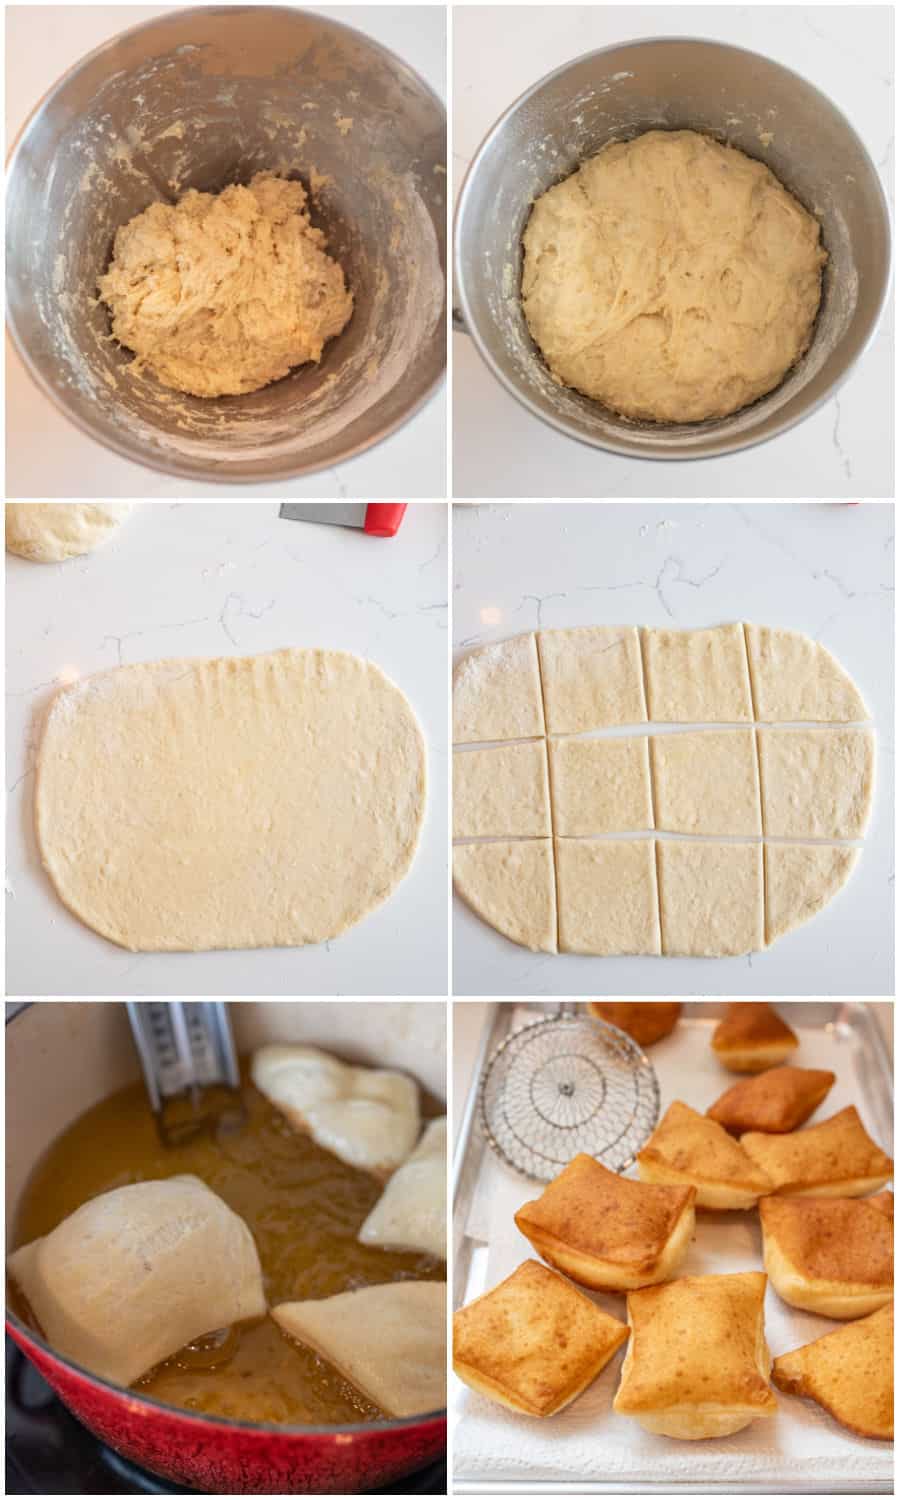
<point>238,802</point>
<point>52,533</point>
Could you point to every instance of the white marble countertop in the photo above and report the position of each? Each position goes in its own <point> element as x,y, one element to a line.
<point>47,457</point>
<point>844,450</point>
<point>213,580</point>
<point>824,569</point>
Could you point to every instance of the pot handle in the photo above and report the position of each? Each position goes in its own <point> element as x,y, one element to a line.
<point>459,323</point>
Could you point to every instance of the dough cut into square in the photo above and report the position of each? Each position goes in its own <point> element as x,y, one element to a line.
<point>497,693</point>
<point>411,1213</point>
<point>688,1149</point>
<point>511,887</point>
<point>850,1373</point>
<point>752,1037</point>
<point>831,1256</point>
<point>133,1275</point>
<point>706,781</point>
<point>697,676</point>
<point>501,793</point>
<point>774,1102</point>
<point>800,880</point>
<point>816,783</point>
<point>600,786</point>
<point>795,680</point>
<point>646,1021</point>
<point>592,677</point>
<point>698,1364</point>
<point>711,898</point>
<point>368,1117</point>
<point>388,1341</point>
<point>607,897</point>
<point>836,1159</point>
<point>533,1343</point>
<point>606,1231</point>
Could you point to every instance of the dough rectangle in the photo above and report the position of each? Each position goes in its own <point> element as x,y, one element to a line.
<point>795,679</point>
<point>697,676</point>
<point>512,887</point>
<point>600,786</point>
<point>501,792</point>
<point>800,880</point>
<point>816,783</point>
<point>497,693</point>
<point>592,677</point>
<point>706,782</point>
<point>607,897</point>
<point>711,898</point>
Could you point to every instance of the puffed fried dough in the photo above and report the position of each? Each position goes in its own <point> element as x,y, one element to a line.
<point>645,1021</point>
<point>606,1231</point>
<point>849,1372</point>
<point>698,1364</point>
<point>686,1147</point>
<point>775,1102</point>
<point>752,1038</point>
<point>533,1343</point>
<point>832,1256</point>
<point>836,1159</point>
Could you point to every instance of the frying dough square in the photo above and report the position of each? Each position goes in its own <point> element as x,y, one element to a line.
<point>600,786</point>
<point>389,1341</point>
<point>836,1159</point>
<point>606,1231</point>
<point>697,676</point>
<point>816,783</point>
<point>607,897</point>
<point>533,1343</point>
<point>849,1372</point>
<point>801,879</point>
<point>592,677</point>
<point>774,1102</point>
<point>832,1256</point>
<point>688,1149</point>
<point>752,1037</point>
<point>497,693</point>
<point>697,1365</point>
<point>706,781</point>
<point>646,1021</point>
<point>501,792</point>
<point>711,898</point>
<point>795,680</point>
<point>411,1213</point>
<point>512,888</point>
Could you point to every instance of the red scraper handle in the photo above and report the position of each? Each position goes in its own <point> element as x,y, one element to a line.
<point>383,520</point>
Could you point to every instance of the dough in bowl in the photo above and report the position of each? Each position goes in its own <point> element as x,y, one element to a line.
<point>671,278</point>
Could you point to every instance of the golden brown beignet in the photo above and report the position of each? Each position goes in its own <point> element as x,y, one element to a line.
<point>687,1148</point>
<point>833,1256</point>
<point>849,1372</point>
<point>645,1021</point>
<point>836,1159</point>
<point>774,1102</point>
<point>752,1037</point>
<point>606,1231</point>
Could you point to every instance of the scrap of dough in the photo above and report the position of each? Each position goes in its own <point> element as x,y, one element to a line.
<point>671,278</point>
<point>706,781</point>
<point>607,897</point>
<point>135,1274</point>
<point>49,533</point>
<point>688,1149</point>
<point>225,292</point>
<point>831,1256</point>
<point>388,1341</point>
<point>836,1159</point>
<point>697,676</point>
<point>368,1117</point>
<point>497,693</point>
<point>411,1213</point>
<point>849,1372</point>
<point>241,802</point>
<point>592,677</point>
<point>752,1037</point>
<point>711,898</point>
<point>501,792</point>
<point>816,783</point>
<point>511,887</point>
<point>795,680</point>
<point>800,880</point>
<point>600,786</point>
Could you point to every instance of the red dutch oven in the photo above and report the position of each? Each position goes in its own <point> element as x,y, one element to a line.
<point>64,1056</point>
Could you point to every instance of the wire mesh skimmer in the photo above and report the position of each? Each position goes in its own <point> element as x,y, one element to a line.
<point>565,1084</point>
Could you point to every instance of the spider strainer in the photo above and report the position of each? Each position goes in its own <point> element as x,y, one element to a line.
<point>566,1084</point>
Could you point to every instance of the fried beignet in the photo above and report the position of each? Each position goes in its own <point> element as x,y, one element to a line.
<point>849,1372</point>
<point>645,1021</point>
<point>774,1102</point>
<point>833,1256</point>
<point>752,1037</point>
<point>836,1159</point>
<point>686,1148</point>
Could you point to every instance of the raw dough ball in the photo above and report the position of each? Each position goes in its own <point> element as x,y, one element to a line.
<point>671,278</point>
<point>53,533</point>
<point>225,292</point>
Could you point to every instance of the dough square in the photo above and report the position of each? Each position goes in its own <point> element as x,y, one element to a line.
<point>795,680</point>
<point>697,676</point>
<point>592,677</point>
<point>711,899</point>
<point>501,792</point>
<point>600,786</point>
<point>816,783</point>
<point>706,781</point>
<point>607,897</point>
<point>512,887</point>
<point>497,693</point>
<point>800,880</point>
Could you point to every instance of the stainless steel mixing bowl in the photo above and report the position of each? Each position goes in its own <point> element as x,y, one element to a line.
<point>200,99</point>
<point>673,83</point>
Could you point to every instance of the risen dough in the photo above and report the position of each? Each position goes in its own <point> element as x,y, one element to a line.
<point>671,278</point>
<point>52,533</point>
<point>226,292</point>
